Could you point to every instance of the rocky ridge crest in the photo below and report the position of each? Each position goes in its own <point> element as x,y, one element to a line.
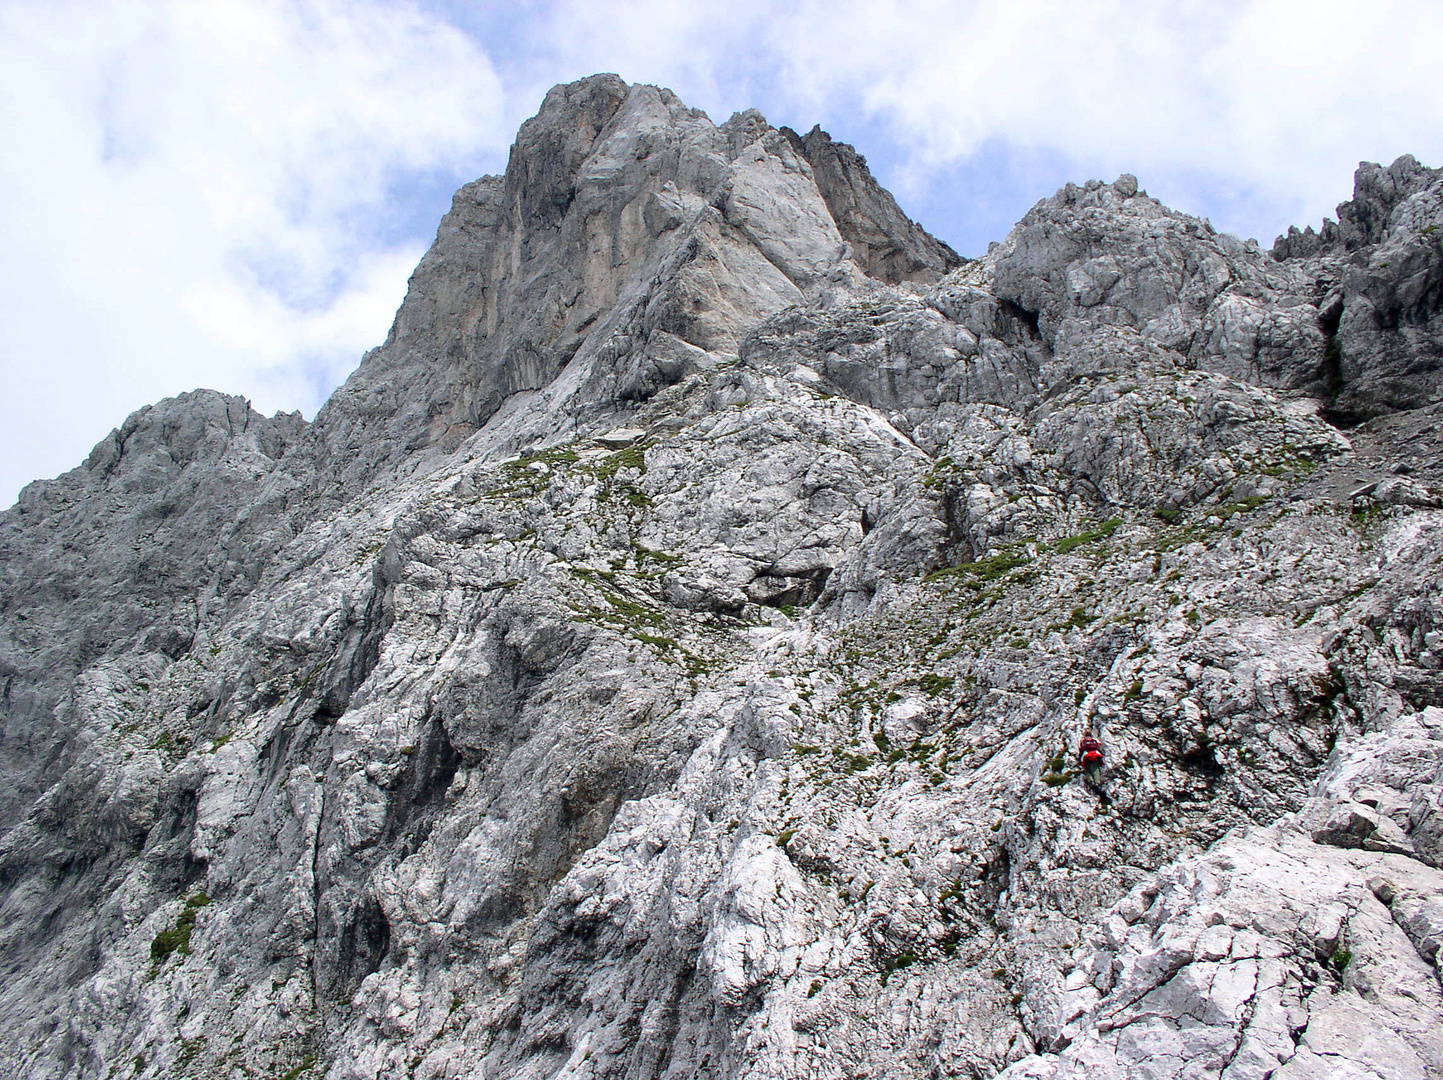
<point>665,656</point>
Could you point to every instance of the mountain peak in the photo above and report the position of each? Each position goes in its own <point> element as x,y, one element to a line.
<point>618,202</point>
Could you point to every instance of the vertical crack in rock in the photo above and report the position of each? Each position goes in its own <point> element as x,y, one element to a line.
<point>318,994</point>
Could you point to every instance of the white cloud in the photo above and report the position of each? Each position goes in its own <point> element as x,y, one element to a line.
<point>182,184</point>
<point>213,192</point>
<point>1273,99</point>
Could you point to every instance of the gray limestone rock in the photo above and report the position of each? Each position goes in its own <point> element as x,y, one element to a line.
<point>886,243</point>
<point>1379,272</point>
<point>666,656</point>
<point>172,516</point>
<point>1104,255</point>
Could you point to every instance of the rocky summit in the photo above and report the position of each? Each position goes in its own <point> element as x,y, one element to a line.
<point>668,654</point>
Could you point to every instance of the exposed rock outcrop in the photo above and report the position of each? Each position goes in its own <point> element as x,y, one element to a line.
<point>666,655</point>
<point>886,243</point>
<point>1379,269</point>
<point>630,243</point>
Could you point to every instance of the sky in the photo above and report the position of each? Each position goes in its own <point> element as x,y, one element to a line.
<point>232,193</point>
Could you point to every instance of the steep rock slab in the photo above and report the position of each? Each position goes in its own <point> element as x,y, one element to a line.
<point>1268,957</point>
<point>887,244</point>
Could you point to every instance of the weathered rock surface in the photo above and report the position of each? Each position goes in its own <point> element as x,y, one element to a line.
<point>1379,270</point>
<point>887,244</point>
<point>666,655</point>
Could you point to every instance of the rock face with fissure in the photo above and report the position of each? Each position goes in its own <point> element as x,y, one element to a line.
<point>666,656</point>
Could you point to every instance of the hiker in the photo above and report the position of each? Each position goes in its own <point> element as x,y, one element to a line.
<point>1091,752</point>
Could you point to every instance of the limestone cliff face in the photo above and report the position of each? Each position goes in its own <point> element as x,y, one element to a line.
<point>630,242</point>
<point>666,655</point>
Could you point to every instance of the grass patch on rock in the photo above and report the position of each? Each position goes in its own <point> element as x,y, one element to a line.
<point>176,938</point>
<point>979,571</point>
<point>1101,532</point>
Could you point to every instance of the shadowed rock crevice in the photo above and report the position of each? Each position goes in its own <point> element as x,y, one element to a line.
<point>356,656</point>
<point>352,943</point>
